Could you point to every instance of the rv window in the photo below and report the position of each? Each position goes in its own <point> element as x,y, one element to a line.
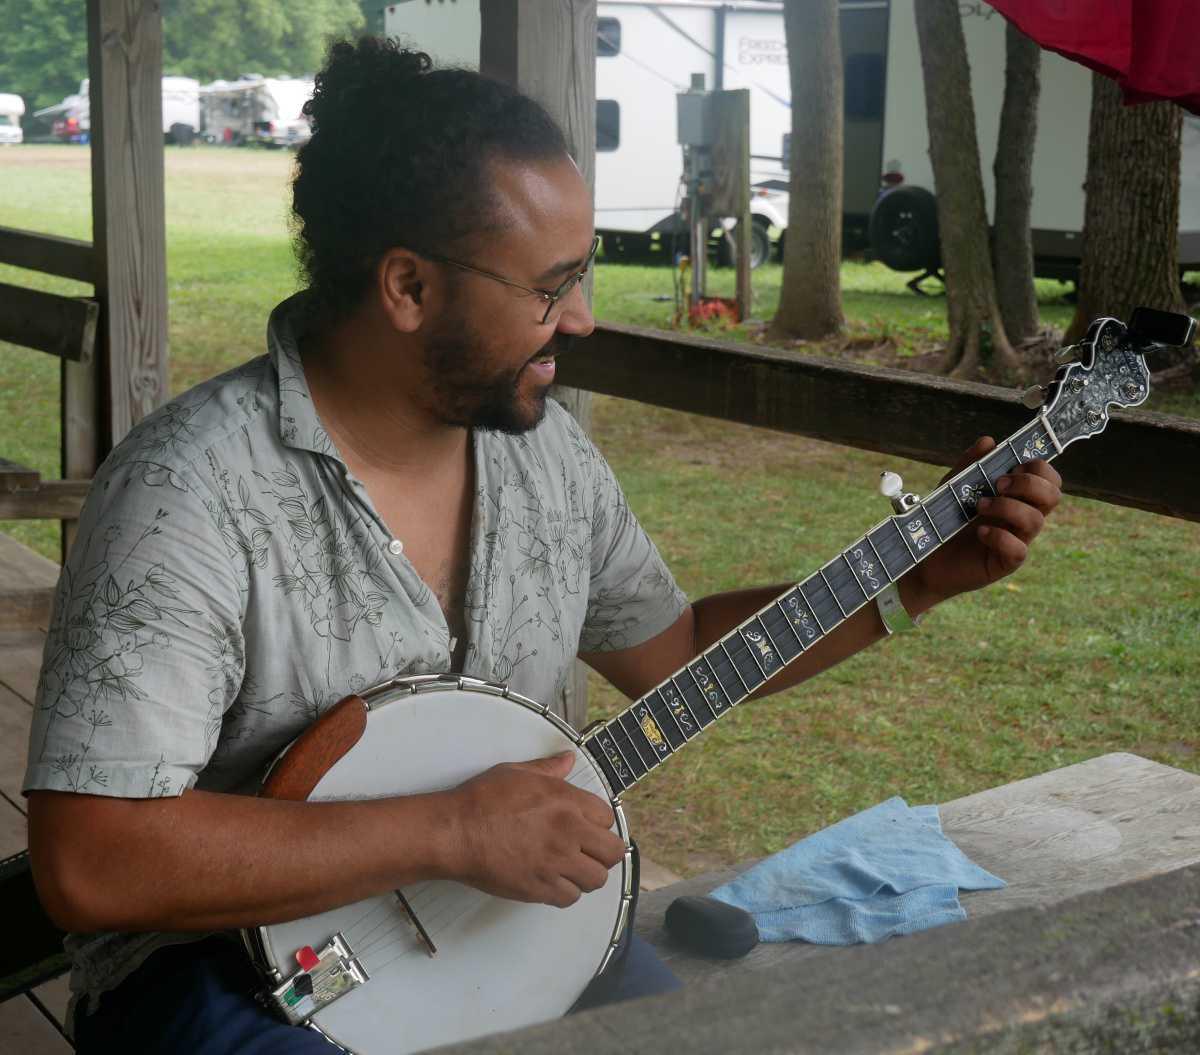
<point>608,124</point>
<point>608,37</point>
<point>864,87</point>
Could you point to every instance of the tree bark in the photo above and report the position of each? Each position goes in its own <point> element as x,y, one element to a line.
<point>810,302</point>
<point>1012,244</point>
<point>1131,220</point>
<point>974,315</point>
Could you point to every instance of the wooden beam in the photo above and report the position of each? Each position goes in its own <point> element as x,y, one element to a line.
<point>51,500</point>
<point>1142,460</point>
<point>548,52</point>
<point>65,257</point>
<point>49,322</point>
<point>14,477</point>
<point>129,230</point>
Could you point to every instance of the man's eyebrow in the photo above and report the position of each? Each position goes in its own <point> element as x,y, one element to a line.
<point>561,268</point>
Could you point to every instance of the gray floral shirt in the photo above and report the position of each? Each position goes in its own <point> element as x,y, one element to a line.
<point>232,579</point>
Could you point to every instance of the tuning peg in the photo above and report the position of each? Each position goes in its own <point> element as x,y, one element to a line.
<point>891,486</point>
<point>1034,397</point>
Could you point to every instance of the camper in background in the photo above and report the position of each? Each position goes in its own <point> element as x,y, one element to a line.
<point>255,109</point>
<point>72,118</point>
<point>646,53</point>
<point>12,108</point>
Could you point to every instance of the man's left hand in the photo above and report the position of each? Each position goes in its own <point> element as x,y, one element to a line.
<point>996,542</point>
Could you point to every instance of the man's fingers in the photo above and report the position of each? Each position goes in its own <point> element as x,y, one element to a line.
<point>594,808</point>
<point>603,847</point>
<point>1042,469</point>
<point>1009,549</point>
<point>552,765</point>
<point>585,873</point>
<point>976,451</point>
<point>1021,518</point>
<point>1032,488</point>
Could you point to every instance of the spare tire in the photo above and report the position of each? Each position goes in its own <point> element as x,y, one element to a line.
<point>181,134</point>
<point>904,230</point>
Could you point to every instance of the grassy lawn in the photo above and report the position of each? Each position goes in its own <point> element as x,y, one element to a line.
<point>1090,648</point>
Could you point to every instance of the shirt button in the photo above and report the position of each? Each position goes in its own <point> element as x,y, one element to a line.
<point>395,547</point>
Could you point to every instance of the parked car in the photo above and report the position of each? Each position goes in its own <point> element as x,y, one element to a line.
<point>12,107</point>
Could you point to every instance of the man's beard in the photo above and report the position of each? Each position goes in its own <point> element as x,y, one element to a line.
<point>464,397</point>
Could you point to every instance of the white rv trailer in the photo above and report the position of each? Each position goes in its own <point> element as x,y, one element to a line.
<point>12,108</point>
<point>647,51</point>
<point>256,109</point>
<point>180,111</point>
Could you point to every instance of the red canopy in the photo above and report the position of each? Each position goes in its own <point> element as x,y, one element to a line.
<point>1150,47</point>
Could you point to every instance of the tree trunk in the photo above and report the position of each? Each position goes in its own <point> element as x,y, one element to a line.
<point>1131,220</point>
<point>1012,245</point>
<point>974,316</point>
<point>810,302</point>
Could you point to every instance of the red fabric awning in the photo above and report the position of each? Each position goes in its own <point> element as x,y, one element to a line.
<point>1150,47</point>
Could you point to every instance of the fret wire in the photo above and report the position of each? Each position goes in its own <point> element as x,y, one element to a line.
<point>770,637</point>
<point>812,608</point>
<point>854,578</point>
<point>686,706</point>
<point>954,494</point>
<point>700,689</point>
<point>821,572</point>
<point>647,766</point>
<point>882,565</point>
<point>908,545</point>
<point>752,655</point>
<point>983,473</point>
<point>605,763</point>
<point>717,682</point>
<point>737,673</point>
<point>667,705</point>
<point>1008,444</point>
<point>783,611</point>
<point>617,744</point>
<point>929,517</point>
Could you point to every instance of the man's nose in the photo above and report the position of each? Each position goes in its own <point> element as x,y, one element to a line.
<point>577,319</point>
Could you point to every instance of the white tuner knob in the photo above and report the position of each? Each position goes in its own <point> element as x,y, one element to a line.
<point>890,484</point>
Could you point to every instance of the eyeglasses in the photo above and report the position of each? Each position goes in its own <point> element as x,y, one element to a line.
<point>551,297</point>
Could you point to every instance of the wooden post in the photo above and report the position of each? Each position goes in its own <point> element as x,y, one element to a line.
<point>548,51</point>
<point>127,377</point>
<point>731,178</point>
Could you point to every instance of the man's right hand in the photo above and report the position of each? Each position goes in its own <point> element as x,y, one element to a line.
<point>520,831</point>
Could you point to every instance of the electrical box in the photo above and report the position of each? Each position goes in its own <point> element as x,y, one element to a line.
<point>694,111</point>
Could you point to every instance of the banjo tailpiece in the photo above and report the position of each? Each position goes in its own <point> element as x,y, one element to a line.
<point>323,977</point>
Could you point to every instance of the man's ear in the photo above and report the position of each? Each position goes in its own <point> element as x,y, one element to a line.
<point>398,280</point>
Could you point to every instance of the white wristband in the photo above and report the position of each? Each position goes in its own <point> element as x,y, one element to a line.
<point>892,611</point>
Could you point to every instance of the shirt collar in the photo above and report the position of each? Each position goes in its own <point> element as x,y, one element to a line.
<point>299,425</point>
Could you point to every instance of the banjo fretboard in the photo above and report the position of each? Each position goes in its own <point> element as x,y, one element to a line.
<point>646,734</point>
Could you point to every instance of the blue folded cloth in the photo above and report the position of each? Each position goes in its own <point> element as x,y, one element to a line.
<point>888,870</point>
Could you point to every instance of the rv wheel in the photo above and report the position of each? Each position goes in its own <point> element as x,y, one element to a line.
<point>760,246</point>
<point>904,229</point>
<point>181,134</point>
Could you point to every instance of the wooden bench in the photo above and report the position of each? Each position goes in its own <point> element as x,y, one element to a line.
<point>1098,931</point>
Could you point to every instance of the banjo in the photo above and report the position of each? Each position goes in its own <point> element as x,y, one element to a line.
<point>440,962</point>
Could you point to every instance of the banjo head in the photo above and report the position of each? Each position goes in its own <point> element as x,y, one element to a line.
<point>499,964</point>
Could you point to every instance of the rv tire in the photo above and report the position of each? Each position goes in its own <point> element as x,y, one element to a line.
<point>760,245</point>
<point>904,229</point>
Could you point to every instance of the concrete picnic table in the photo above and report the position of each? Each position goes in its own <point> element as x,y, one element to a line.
<point>1094,945</point>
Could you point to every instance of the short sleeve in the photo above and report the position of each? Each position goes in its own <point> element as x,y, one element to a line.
<point>144,652</point>
<point>632,595</point>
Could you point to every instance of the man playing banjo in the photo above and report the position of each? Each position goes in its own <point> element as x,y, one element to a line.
<point>388,491</point>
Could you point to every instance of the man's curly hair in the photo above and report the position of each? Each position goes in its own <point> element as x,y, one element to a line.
<point>398,157</point>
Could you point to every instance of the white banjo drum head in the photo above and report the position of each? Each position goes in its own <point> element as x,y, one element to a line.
<point>499,964</point>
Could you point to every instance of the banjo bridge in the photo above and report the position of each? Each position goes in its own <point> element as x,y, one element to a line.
<point>324,976</point>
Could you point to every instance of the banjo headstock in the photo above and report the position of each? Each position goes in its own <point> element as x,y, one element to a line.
<point>1111,371</point>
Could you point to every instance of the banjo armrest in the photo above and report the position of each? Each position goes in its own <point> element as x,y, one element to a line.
<point>302,764</point>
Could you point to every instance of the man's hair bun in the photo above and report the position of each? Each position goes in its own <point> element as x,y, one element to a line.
<point>398,157</point>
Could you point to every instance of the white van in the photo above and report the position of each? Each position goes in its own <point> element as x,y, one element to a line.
<point>647,51</point>
<point>12,109</point>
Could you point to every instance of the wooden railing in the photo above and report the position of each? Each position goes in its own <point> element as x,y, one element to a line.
<point>1142,460</point>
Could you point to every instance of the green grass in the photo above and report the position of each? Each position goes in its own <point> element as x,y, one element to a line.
<point>1090,648</point>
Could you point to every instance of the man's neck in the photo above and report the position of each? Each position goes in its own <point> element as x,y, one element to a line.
<point>362,388</point>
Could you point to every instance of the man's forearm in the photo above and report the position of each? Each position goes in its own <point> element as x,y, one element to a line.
<point>208,861</point>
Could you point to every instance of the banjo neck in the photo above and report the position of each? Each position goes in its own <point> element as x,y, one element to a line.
<point>655,727</point>
<point>1110,372</point>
